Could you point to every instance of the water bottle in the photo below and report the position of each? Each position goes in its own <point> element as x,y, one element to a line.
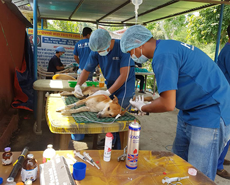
<point>79,73</point>
<point>49,153</point>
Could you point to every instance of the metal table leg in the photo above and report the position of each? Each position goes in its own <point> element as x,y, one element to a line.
<point>145,82</point>
<point>40,107</point>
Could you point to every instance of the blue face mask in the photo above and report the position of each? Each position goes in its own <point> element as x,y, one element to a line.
<point>62,55</point>
<point>142,59</point>
<point>104,53</point>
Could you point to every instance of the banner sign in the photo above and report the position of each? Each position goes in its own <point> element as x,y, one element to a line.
<point>48,41</point>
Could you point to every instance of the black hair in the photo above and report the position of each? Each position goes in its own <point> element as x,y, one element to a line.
<point>57,51</point>
<point>86,31</point>
<point>228,30</point>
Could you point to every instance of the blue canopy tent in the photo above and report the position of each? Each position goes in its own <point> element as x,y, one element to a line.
<point>114,13</point>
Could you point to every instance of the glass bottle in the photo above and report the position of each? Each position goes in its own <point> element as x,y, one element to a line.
<point>29,168</point>
<point>7,156</point>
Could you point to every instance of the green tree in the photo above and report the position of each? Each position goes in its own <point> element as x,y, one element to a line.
<point>204,28</point>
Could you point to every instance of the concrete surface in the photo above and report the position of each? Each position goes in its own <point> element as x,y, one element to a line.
<point>158,132</point>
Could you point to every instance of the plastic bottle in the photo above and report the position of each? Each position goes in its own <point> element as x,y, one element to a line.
<point>7,156</point>
<point>49,153</point>
<point>108,146</point>
<point>79,73</point>
<point>10,181</point>
<point>29,168</point>
<point>101,80</point>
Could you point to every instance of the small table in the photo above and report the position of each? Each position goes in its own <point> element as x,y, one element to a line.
<point>43,86</point>
<point>145,74</point>
<point>153,166</point>
<point>63,126</point>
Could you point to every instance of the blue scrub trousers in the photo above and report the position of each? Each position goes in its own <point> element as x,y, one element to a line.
<point>200,146</point>
<point>116,136</point>
<point>222,156</point>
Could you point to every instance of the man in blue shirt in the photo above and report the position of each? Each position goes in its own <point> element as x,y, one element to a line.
<point>118,69</point>
<point>224,64</point>
<point>82,50</point>
<point>190,81</point>
<point>55,63</point>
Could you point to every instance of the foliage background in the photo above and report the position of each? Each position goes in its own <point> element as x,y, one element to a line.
<point>198,29</point>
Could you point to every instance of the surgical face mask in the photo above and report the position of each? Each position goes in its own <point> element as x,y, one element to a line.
<point>142,59</point>
<point>62,55</point>
<point>104,53</point>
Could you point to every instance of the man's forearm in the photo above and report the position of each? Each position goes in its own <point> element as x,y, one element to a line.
<point>83,77</point>
<point>76,59</point>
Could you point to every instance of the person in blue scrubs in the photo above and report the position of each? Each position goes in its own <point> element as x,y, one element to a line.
<point>117,67</point>
<point>82,50</point>
<point>190,81</point>
<point>224,64</point>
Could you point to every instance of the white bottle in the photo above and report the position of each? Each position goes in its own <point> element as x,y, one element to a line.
<point>108,146</point>
<point>10,181</point>
<point>49,153</point>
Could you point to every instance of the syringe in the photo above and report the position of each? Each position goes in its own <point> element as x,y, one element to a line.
<point>90,159</point>
<point>82,157</point>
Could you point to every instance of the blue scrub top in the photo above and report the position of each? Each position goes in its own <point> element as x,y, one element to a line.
<point>82,50</point>
<point>224,61</point>
<point>110,66</point>
<point>202,91</point>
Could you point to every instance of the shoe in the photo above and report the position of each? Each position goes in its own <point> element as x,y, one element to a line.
<point>226,162</point>
<point>223,173</point>
<point>142,92</point>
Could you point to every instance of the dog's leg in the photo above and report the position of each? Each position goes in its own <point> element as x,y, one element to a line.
<point>80,102</point>
<point>66,93</point>
<point>71,111</point>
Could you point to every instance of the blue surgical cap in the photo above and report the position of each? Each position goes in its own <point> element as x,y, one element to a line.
<point>134,37</point>
<point>99,40</point>
<point>60,49</point>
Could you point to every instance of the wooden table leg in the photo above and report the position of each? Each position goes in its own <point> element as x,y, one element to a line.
<point>124,139</point>
<point>61,141</point>
<point>95,137</point>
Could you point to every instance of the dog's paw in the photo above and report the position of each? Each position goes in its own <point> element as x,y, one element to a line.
<point>60,109</point>
<point>65,113</point>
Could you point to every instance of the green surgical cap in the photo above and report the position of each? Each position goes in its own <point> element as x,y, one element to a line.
<point>134,37</point>
<point>99,40</point>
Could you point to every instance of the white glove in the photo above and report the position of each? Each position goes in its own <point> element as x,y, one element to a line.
<point>139,102</point>
<point>78,90</point>
<point>107,93</point>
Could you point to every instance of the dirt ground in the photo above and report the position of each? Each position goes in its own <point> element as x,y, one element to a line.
<point>157,133</point>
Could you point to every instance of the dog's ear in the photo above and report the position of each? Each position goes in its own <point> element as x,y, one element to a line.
<point>115,100</point>
<point>123,112</point>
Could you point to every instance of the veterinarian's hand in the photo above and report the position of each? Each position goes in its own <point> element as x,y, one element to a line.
<point>107,93</point>
<point>78,90</point>
<point>139,102</point>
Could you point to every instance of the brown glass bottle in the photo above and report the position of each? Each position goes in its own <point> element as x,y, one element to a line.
<point>29,168</point>
<point>7,156</point>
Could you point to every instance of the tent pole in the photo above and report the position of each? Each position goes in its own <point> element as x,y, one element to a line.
<point>35,38</point>
<point>42,24</point>
<point>219,33</point>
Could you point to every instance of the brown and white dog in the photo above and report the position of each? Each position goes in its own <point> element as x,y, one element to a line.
<point>98,103</point>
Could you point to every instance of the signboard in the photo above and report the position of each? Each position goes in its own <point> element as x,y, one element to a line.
<point>47,41</point>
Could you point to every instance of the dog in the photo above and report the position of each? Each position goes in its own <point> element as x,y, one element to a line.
<point>98,103</point>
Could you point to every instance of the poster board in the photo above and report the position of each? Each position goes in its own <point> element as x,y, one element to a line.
<point>48,41</point>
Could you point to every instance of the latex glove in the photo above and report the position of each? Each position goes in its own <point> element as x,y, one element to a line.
<point>78,90</point>
<point>139,102</point>
<point>107,93</point>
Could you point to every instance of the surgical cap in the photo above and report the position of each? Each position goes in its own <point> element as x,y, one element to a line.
<point>60,49</point>
<point>99,40</point>
<point>134,37</point>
